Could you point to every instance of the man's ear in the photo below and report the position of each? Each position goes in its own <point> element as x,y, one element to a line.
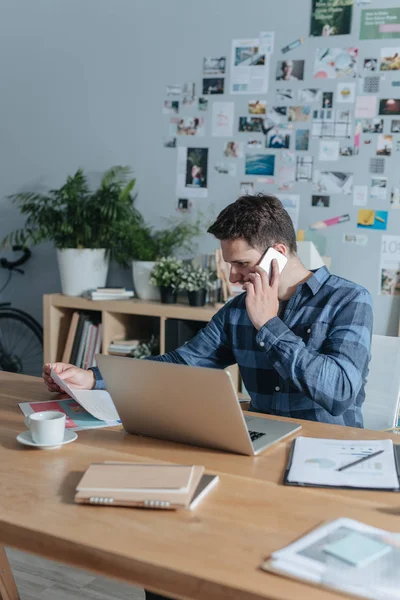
<point>281,248</point>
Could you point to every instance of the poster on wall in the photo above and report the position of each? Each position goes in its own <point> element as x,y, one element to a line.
<point>333,182</point>
<point>335,62</point>
<point>372,219</point>
<point>192,172</point>
<point>214,65</point>
<point>380,24</point>
<point>331,17</point>
<point>222,119</point>
<point>190,126</point>
<point>390,59</point>
<point>389,271</point>
<point>260,164</point>
<point>291,203</point>
<point>249,66</point>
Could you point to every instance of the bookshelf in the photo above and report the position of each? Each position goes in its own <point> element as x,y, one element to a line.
<point>120,319</point>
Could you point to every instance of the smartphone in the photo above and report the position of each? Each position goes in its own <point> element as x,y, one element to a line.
<point>266,261</point>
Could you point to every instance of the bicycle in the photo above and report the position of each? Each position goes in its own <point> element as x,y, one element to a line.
<point>21,336</point>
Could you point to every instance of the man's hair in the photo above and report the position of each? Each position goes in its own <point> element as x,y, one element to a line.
<point>261,220</point>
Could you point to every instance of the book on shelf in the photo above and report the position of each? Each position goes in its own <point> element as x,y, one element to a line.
<point>123,347</point>
<point>83,340</point>
<point>110,294</point>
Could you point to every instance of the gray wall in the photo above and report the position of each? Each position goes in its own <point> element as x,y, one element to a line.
<point>83,82</point>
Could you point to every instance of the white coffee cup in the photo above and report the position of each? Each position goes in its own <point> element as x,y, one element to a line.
<point>47,427</point>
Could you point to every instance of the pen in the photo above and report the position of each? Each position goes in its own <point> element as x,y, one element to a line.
<point>356,462</point>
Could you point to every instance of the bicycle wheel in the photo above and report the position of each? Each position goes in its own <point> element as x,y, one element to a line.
<point>21,343</point>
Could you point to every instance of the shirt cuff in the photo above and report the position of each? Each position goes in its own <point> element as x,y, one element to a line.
<point>269,333</point>
<point>99,385</point>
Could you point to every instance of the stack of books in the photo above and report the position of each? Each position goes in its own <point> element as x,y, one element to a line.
<point>123,347</point>
<point>108,293</point>
<point>161,486</point>
<point>83,340</point>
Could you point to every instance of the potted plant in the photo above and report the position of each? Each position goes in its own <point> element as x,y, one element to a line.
<point>87,228</point>
<point>196,281</point>
<point>166,274</point>
<point>144,246</point>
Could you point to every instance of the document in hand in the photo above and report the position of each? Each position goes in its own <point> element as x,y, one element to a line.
<point>143,485</point>
<point>315,462</point>
<point>344,555</point>
<point>97,402</point>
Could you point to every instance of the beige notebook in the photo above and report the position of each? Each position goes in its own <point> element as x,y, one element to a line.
<point>139,484</point>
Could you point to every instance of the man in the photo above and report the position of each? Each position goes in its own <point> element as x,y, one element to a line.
<point>287,71</point>
<point>301,340</point>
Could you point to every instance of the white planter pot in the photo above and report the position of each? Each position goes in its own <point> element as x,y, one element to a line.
<point>141,274</point>
<point>82,270</point>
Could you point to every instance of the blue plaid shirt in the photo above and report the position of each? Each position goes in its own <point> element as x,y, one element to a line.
<point>310,363</point>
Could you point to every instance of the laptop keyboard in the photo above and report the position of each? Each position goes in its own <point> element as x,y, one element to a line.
<point>254,435</point>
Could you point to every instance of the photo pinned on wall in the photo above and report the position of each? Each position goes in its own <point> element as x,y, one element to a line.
<point>333,182</point>
<point>260,164</point>
<point>302,139</point>
<point>203,103</point>
<point>384,145</point>
<point>371,85</point>
<point>390,59</point>
<point>395,126</point>
<point>320,201</point>
<point>293,45</point>
<point>286,176</point>
<point>380,24</point>
<point>190,126</point>
<point>278,137</point>
<point>247,188</point>
<point>331,124</point>
<point>328,150</point>
<point>174,90</point>
<point>366,107</point>
<point>291,203</point>
<point>309,95</point>
<point>370,64</point>
<point>222,119</point>
<point>188,94</point>
<point>254,143</point>
<point>171,107</point>
<point>277,114</point>
<point>397,145</point>
<point>290,70</point>
<point>330,222</point>
<point>346,92</point>
<point>257,107</point>
<point>192,172</point>
<point>169,142</point>
<point>214,65</point>
<point>299,114</point>
<point>372,219</point>
<point>213,85</point>
<point>184,205</point>
<point>331,17</point>
<point>360,195</point>
<point>356,140</point>
<point>288,157</point>
<point>225,168</point>
<point>331,63</point>
<point>390,266</point>
<point>357,239</point>
<point>250,65</point>
<point>251,124</point>
<point>378,191</point>
<point>377,166</point>
<point>283,95</point>
<point>327,100</point>
<point>389,107</point>
<point>233,149</point>
<point>346,150</point>
<point>304,169</point>
<point>372,125</point>
<point>395,198</point>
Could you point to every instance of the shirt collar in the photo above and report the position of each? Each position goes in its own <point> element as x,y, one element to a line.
<point>318,279</point>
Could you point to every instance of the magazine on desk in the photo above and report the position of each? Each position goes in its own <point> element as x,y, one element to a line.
<point>85,409</point>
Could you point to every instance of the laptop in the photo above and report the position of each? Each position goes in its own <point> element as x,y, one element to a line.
<point>192,405</point>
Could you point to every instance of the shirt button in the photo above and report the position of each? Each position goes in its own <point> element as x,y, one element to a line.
<point>308,330</point>
<point>277,388</point>
<point>262,344</point>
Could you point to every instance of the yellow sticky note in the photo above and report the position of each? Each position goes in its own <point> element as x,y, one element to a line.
<point>366,217</point>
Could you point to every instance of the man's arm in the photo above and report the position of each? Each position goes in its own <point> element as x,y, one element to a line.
<point>333,376</point>
<point>209,348</point>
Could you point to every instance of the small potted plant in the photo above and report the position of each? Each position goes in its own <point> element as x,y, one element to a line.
<point>196,281</point>
<point>166,274</point>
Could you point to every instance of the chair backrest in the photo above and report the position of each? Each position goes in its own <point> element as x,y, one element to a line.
<point>382,392</point>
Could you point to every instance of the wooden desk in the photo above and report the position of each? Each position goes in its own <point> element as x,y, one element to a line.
<point>211,553</point>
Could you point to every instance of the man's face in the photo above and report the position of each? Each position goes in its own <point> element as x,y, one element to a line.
<point>287,68</point>
<point>241,257</point>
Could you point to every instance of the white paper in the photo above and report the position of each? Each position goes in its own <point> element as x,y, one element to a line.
<point>250,66</point>
<point>366,107</point>
<point>360,195</point>
<point>291,203</point>
<point>222,119</point>
<point>389,284</point>
<point>97,402</point>
<point>267,41</point>
<point>333,182</point>
<point>357,239</point>
<point>329,150</point>
<point>316,461</point>
<point>378,191</point>
<point>346,92</point>
<point>185,183</point>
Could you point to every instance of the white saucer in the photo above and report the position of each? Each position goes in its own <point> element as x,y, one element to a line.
<point>26,439</point>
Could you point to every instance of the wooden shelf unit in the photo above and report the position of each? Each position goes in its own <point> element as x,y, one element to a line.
<point>120,318</point>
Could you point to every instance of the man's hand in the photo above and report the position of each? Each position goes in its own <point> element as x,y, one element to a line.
<point>79,379</point>
<point>262,301</point>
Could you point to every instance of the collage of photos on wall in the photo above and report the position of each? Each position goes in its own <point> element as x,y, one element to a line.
<point>297,127</point>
